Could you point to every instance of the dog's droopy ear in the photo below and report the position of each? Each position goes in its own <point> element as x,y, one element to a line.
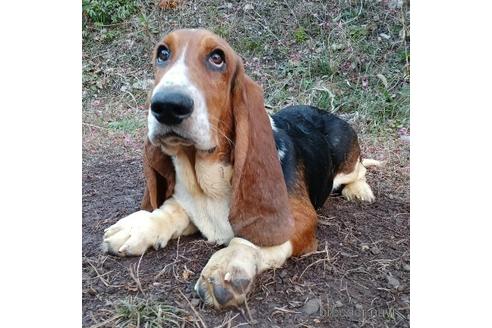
<point>260,209</point>
<point>159,177</point>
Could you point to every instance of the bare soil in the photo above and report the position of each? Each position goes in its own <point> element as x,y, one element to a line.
<point>359,276</point>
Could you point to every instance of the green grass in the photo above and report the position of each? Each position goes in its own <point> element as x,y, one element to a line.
<point>128,125</point>
<point>136,312</point>
<point>331,54</point>
<point>108,11</point>
<point>300,35</point>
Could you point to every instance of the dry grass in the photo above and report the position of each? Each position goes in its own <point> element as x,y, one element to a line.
<point>349,57</point>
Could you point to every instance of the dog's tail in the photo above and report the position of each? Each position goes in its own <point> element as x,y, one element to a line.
<point>368,162</point>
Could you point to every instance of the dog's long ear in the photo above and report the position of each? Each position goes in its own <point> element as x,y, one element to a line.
<point>260,209</point>
<point>159,177</point>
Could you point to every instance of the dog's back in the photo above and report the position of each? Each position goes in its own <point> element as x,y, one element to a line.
<point>321,142</point>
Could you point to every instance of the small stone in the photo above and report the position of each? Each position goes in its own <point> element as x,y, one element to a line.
<point>375,250</point>
<point>248,7</point>
<point>364,247</point>
<point>395,283</point>
<point>156,284</point>
<point>338,304</point>
<point>311,306</point>
<point>406,267</point>
<point>385,36</point>
<point>195,301</point>
<point>337,46</point>
<point>143,84</point>
<point>359,306</point>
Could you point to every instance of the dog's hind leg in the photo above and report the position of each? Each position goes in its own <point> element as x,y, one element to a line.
<point>355,185</point>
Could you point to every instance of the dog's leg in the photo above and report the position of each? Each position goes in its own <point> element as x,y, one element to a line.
<point>230,272</point>
<point>134,234</point>
<point>355,183</point>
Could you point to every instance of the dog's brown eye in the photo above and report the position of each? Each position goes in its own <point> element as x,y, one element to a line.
<point>163,54</point>
<point>217,58</point>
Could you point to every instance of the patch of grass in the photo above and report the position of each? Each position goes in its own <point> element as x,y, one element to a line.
<point>323,99</point>
<point>296,50</point>
<point>108,11</point>
<point>321,66</point>
<point>109,35</point>
<point>136,312</point>
<point>300,35</point>
<point>222,30</point>
<point>358,32</point>
<point>250,45</point>
<point>128,125</point>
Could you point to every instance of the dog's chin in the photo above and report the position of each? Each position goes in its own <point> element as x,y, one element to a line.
<point>171,141</point>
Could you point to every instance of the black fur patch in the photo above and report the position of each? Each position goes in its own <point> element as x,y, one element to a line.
<point>318,141</point>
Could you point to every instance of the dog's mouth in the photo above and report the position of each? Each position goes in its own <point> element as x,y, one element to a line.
<point>173,138</point>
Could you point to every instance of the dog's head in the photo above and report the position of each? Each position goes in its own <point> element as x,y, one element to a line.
<point>195,71</point>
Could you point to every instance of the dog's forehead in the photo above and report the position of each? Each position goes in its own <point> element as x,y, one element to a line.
<point>195,38</point>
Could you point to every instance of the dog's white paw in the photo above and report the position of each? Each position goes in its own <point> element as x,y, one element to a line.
<point>228,275</point>
<point>132,235</point>
<point>358,190</point>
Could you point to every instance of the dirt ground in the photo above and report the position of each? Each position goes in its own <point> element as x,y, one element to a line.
<point>348,57</point>
<point>358,277</point>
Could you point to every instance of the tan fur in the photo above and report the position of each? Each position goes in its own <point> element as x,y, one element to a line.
<point>355,183</point>
<point>241,261</point>
<point>134,234</point>
<point>204,191</point>
<point>368,162</point>
<point>304,238</point>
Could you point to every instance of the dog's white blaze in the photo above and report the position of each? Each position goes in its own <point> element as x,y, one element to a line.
<point>197,126</point>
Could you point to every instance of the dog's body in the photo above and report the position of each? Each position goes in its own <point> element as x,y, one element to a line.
<point>217,163</point>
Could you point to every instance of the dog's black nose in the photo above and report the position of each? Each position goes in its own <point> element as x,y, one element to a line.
<point>171,107</point>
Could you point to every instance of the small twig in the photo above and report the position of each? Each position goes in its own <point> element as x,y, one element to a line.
<point>136,275</point>
<point>138,272</point>
<point>95,126</point>
<point>310,265</point>
<point>133,97</point>
<point>99,275</point>
<point>103,323</point>
<point>285,310</point>
<point>247,310</point>
<point>228,322</point>
<point>193,309</point>
<point>163,270</point>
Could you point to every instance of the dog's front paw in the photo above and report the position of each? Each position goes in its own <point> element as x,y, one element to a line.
<point>228,275</point>
<point>132,235</point>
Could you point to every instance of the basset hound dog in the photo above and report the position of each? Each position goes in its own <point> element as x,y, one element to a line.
<point>217,163</point>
